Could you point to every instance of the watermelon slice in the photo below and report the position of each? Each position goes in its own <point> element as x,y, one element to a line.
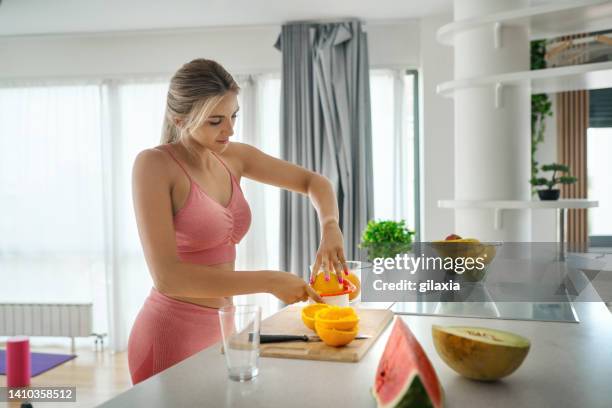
<point>405,377</point>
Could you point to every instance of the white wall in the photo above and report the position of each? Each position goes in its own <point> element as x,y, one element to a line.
<point>239,49</point>
<point>247,49</point>
<point>394,44</point>
<point>437,132</point>
<point>437,147</point>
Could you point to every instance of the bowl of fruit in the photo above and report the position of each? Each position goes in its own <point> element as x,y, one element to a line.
<point>471,258</point>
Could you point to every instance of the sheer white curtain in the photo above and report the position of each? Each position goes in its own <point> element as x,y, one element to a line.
<point>51,196</point>
<point>258,125</point>
<point>392,100</point>
<point>133,114</point>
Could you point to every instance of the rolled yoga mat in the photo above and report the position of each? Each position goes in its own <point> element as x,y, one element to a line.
<point>18,361</point>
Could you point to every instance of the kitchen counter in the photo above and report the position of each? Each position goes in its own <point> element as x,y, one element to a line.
<point>569,365</point>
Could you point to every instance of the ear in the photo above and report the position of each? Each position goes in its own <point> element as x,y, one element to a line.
<point>178,122</point>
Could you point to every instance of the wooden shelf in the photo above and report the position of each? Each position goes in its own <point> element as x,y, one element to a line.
<point>575,77</point>
<point>545,21</point>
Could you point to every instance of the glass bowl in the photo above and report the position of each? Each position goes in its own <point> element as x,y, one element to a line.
<point>481,253</point>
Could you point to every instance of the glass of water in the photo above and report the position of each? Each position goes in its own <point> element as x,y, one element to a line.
<point>240,329</point>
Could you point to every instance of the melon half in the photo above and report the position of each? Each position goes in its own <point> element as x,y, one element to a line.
<point>405,377</point>
<point>480,353</point>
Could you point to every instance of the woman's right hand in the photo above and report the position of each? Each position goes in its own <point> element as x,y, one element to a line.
<point>290,289</point>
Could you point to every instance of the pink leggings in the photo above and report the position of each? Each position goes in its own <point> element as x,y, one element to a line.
<point>167,331</point>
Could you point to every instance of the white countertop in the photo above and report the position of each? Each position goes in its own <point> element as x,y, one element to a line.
<point>569,365</point>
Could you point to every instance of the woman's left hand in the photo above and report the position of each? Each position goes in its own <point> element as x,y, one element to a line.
<point>330,255</point>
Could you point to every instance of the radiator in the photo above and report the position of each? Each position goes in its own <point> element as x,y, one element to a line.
<point>47,319</point>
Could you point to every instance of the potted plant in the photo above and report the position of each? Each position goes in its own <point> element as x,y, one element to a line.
<point>541,106</point>
<point>385,239</point>
<point>551,193</point>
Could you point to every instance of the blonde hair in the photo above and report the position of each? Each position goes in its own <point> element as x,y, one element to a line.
<point>194,91</point>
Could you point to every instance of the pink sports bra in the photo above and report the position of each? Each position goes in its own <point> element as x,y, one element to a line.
<point>206,231</point>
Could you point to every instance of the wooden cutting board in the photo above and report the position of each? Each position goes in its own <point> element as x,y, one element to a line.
<point>288,321</point>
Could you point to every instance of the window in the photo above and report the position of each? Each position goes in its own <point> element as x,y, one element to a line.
<point>599,166</point>
<point>52,223</point>
<point>392,95</point>
<point>134,115</point>
<point>258,124</point>
<point>599,149</point>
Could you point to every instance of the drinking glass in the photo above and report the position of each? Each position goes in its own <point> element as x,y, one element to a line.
<point>240,326</point>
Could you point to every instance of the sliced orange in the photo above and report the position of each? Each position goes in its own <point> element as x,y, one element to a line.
<point>322,287</point>
<point>336,317</point>
<point>337,338</point>
<point>355,281</point>
<point>308,314</point>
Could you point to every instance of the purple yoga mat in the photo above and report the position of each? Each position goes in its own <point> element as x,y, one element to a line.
<point>41,362</point>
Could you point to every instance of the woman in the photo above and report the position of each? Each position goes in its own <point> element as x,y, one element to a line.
<point>191,213</point>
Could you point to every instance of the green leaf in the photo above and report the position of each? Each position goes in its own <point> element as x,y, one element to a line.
<point>567,179</point>
<point>386,238</point>
<point>541,105</point>
<point>539,181</point>
<point>556,167</point>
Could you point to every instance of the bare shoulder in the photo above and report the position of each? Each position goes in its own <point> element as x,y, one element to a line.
<point>152,163</point>
<point>237,155</point>
<point>240,150</point>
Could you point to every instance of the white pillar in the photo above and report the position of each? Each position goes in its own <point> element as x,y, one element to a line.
<point>492,124</point>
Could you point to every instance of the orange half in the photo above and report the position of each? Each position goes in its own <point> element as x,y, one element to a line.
<point>336,337</point>
<point>347,288</point>
<point>309,312</point>
<point>335,317</point>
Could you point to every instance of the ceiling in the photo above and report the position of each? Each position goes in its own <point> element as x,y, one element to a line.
<point>22,17</point>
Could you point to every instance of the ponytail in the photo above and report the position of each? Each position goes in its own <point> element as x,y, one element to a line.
<point>170,132</point>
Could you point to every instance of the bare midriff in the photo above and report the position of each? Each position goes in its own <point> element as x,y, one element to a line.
<point>215,303</point>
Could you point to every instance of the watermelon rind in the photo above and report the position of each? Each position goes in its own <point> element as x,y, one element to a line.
<point>414,397</point>
<point>410,391</point>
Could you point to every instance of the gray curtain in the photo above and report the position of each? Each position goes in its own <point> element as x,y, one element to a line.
<point>325,127</point>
